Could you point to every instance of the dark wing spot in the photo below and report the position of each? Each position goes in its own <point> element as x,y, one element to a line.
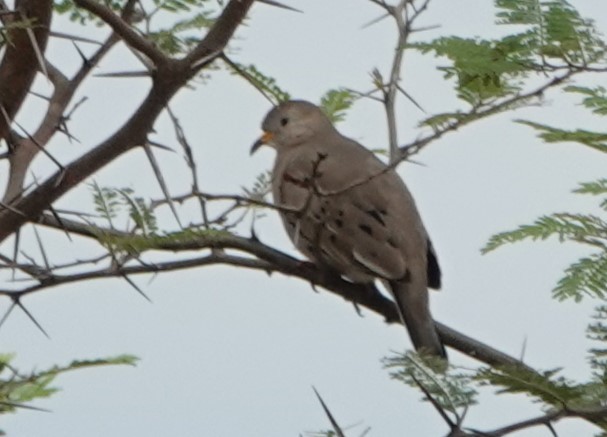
<point>392,243</point>
<point>339,223</point>
<point>366,228</point>
<point>304,237</point>
<point>433,269</point>
<point>377,216</point>
<point>323,209</point>
<point>340,213</point>
<point>333,238</point>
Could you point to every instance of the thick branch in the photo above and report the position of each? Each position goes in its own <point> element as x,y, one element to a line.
<point>122,28</point>
<point>273,260</point>
<point>170,77</point>
<point>20,62</point>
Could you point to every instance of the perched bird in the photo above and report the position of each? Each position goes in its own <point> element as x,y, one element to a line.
<point>345,209</point>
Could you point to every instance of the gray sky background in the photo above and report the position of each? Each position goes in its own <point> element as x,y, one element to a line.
<point>228,352</point>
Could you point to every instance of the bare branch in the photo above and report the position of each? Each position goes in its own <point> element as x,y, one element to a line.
<point>169,78</point>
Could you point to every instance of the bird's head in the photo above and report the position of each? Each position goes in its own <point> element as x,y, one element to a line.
<point>291,124</point>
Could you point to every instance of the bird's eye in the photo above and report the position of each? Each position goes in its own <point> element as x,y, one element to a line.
<point>284,121</point>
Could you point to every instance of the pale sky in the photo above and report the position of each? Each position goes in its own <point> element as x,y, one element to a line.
<point>227,352</point>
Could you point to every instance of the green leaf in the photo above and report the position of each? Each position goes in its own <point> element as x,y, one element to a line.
<point>525,12</point>
<point>587,276</point>
<point>543,386</point>
<point>261,187</point>
<point>18,389</point>
<point>595,98</point>
<point>595,140</point>
<point>264,83</point>
<point>484,69</point>
<point>558,30</point>
<point>183,35</point>
<point>336,102</point>
<point>140,212</point>
<point>106,202</point>
<point>452,390</point>
<point>597,332</point>
<point>564,226</point>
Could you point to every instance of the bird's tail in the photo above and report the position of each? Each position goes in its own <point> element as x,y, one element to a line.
<point>414,310</point>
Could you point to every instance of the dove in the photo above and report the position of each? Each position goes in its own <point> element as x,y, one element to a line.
<point>347,211</point>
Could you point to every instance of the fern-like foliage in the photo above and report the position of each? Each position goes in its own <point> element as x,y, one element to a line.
<point>451,389</point>
<point>106,202</point>
<point>261,187</point>
<point>588,275</point>
<point>597,331</point>
<point>111,202</point>
<point>174,37</point>
<point>554,392</point>
<point>594,99</point>
<point>261,81</point>
<point>486,69</point>
<point>335,103</point>
<point>183,35</point>
<point>557,29</point>
<point>18,389</point>
<point>82,16</point>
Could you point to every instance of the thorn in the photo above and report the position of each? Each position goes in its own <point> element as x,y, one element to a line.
<point>41,247</point>
<point>38,145</point>
<point>125,74</point>
<point>10,208</point>
<point>334,424</point>
<point>435,404</point>
<point>205,60</point>
<point>73,37</point>
<point>26,407</point>
<point>31,317</point>
<point>279,5</point>
<point>411,99</point>
<point>85,60</point>
<point>15,252</point>
<point>374,21</point>
<point>36,47</point>
<point>161,181</point>
<point>6,314</point>
<point>132,284</point>
<point>161,146</point>
<point>254,236</point>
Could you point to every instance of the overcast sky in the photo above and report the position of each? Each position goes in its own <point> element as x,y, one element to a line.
<point>228,352</point>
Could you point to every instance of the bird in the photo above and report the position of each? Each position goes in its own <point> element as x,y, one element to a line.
<point>346,210</point>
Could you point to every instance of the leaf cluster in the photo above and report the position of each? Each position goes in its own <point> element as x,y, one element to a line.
<point>588,275</point>
<point>554,36</point>
<point>265,84</point>
<point>111,202</point>
<point>18,390</point>
<point>336,102</point>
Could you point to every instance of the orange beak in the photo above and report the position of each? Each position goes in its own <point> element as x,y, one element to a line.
<point>264,139</point>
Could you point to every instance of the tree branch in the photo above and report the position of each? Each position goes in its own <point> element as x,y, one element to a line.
<point>169,78</point>
<point>268,260</point>
<point>20,62</point>
<point>123,29</point>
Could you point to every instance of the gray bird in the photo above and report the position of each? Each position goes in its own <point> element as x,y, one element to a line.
<point>347,210</point>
